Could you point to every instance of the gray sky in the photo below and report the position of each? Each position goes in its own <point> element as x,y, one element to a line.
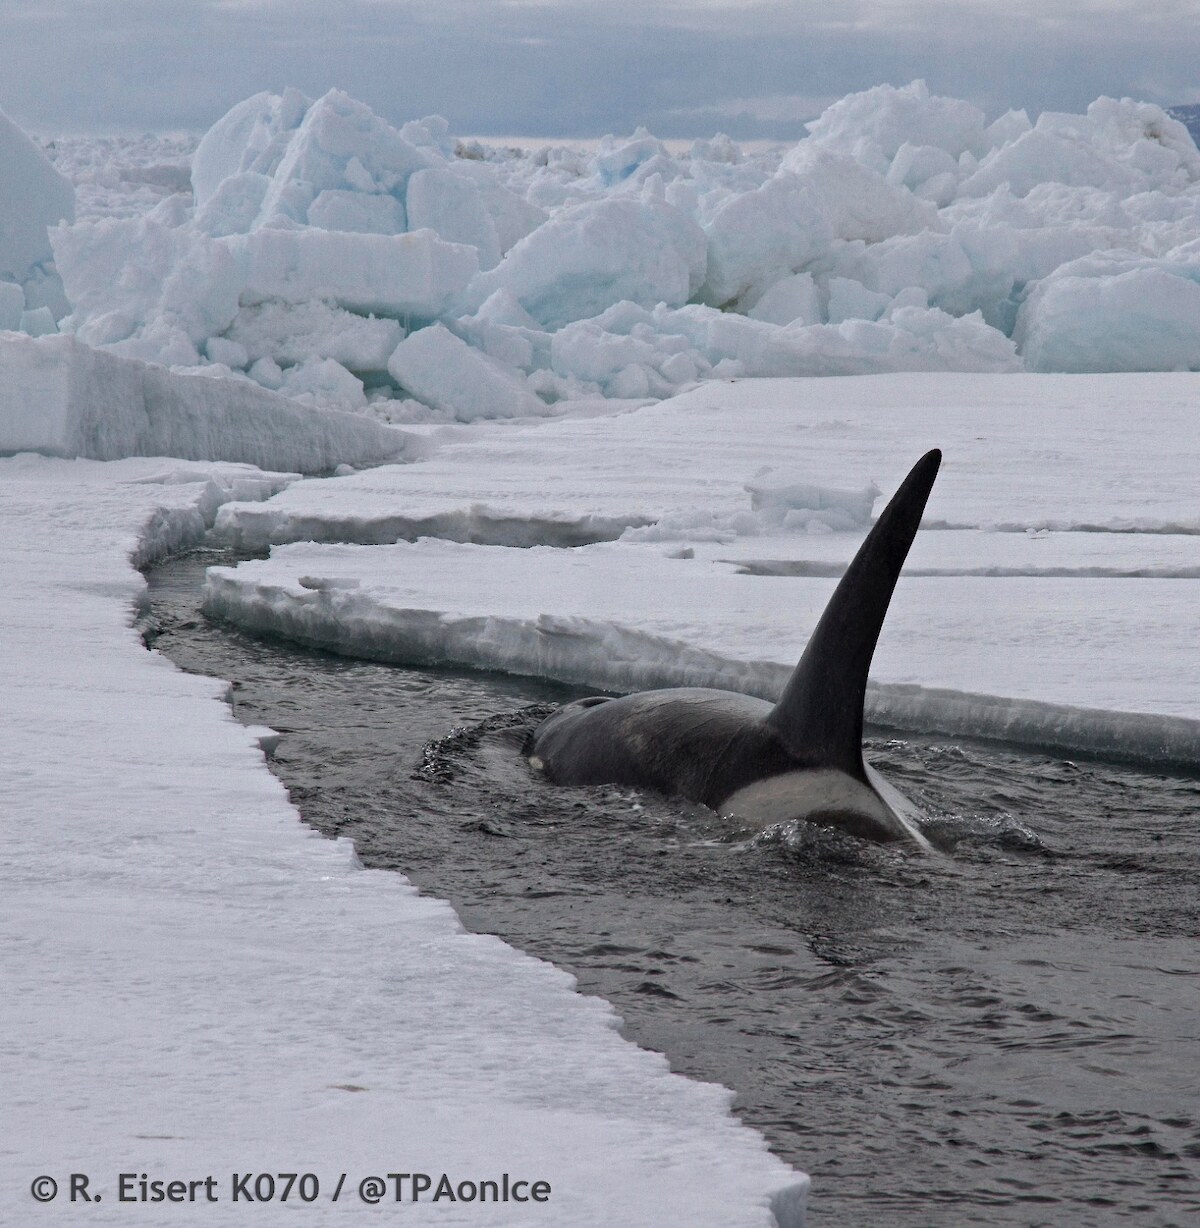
<point>752,68</point>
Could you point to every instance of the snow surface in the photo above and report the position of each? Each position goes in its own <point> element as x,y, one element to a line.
<point>1076,454</point>
<point>1057,604</point>
<point>905,233</point>
<point>197,984</point>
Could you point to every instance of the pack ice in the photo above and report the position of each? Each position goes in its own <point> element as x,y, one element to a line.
<point>333,257</point>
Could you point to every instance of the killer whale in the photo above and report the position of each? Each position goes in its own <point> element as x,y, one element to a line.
<point>800,758</point>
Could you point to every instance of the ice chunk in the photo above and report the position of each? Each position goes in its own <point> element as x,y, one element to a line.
<point>873,125</point>
<point>851,300</point>
<point>513,216</point>
<point>338,209</point>
<point>719,148</point>
<point>304,148</point>
<point>33,196</point>
<point>792,300</point>
<point>593,255</point>
<point>931,173</point>
<point>63,398</point>
<point>1114,313</point>
<point>429,132</point>
<point>804,503</point>
<point>940,265</point>
<point>855,201</point>
<point>756,236</point>
<point>1119,146</point>
<point>502,308</point>
<point>267,372</point>
<point>228,353</point>
<point>324,382</point>
<point>1040,155</point>
<point>121,273</point>
<point>12,304</point>
<point>39,322</point>
<point>1008,127</point>
<point>234,206</point>
<point>911,339</point>
<point>415,273</point>
<point>1154,141</point>
<point>442,370</point>
<point>290,333</point>
<point>451,204</point>
<point>248,137</point>
<point>617,159</point>
<point>623,366</point>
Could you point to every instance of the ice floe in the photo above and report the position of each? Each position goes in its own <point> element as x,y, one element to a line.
<point>201,985</point>
<point>1051,598</point>
<point>971,655</point>
<point>1025,453</point>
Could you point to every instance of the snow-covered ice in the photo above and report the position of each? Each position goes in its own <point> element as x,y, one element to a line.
<point>196,984</point>
<point>959,654</point>
<point>1025,453</point>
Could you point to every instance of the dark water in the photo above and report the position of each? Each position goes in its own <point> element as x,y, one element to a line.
<point>1009,1034</point>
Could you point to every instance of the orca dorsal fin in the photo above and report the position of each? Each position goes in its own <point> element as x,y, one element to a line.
<point>819,717</point>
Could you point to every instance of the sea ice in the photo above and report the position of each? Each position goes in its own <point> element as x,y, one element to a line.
<point>814,260</point>
<point>445,372</point>
<point>957,654</point>
<point>201,985</point>
<point>63,398</point>
<point>1054,604</point>
<point>1137,312</point>
<point>588,258</point>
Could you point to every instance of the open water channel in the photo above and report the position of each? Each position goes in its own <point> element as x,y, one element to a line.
<point>1005,1034</point>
